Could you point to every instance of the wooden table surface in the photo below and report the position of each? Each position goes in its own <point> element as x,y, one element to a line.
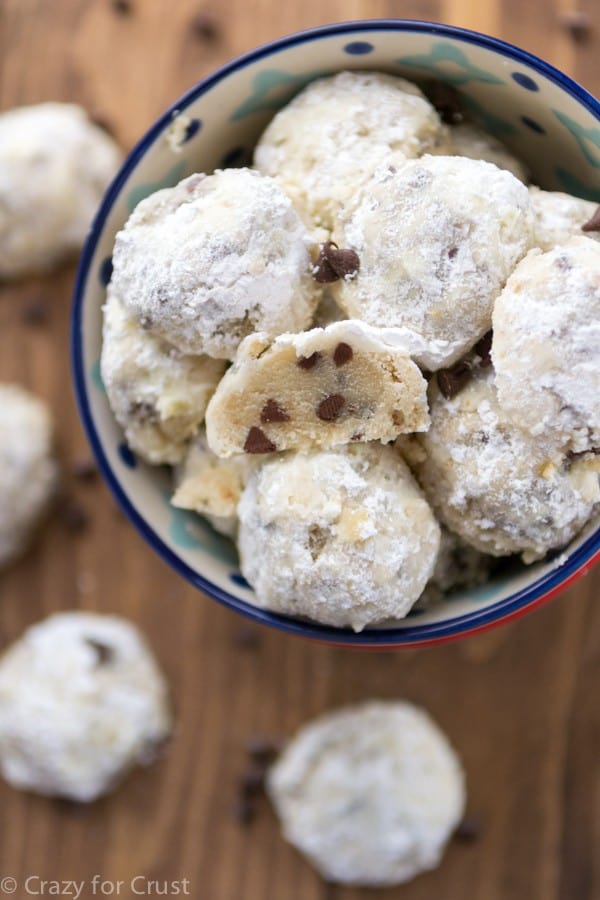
<point>520,703</point>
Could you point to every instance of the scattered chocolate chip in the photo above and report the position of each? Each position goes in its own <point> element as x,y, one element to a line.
<point>246,637</point>
<point>483,349</point>
<point>329,409</point>
<point>452,252</point>
<point>143,412</point>
<point>84,469</point>
<point>577,23</point>
<point>73,516</point>
<point>273,412</point>
<point>342,354</point>
<point>35,312</point>
<point>469,829</point>
<point>309,362</point>
<point>334,263</point>
<point>451,381</point>
<point>122,7</point>
<point>262,750</point>
<point>258,442</point>
<point>357,437</point>
<point>243,811</point>
<point>446,100</point>
<point>205,27</point>
<point>104,653</point>
<point>594,223</point>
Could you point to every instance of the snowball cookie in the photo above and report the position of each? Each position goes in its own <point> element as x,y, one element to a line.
<point>54,168</point>
<point>343,537</point>
<point>332,136</point>
<point>213,259</point>
<point>211,486</point>
<point>559,217</point>
<point>499,488</point>
<point>321,388</point>
<point>437,238</point>
<point>28,469</point>
<point>370,793</point>
<point>471,141</point>
<point>546,347</point>
<point>157,394</point>
<point>81,702</point>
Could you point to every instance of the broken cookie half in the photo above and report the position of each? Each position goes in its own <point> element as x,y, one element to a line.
<point>323,387</point>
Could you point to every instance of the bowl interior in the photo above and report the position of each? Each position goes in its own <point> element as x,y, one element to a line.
<point>546,119</point>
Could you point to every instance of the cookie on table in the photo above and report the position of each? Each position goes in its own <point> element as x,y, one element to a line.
<point>212,486</point>
<point>28,468</point>
<point>217,257</point>
<point>437,238</point>
<point>55,165</point>
<point>559,217</point>
<point>497,486</point>
<point>329,139</point>
<point>546,347</point>
<point>343,537</point>
<point>320,388</point>
<point>157,393</point>
<point>82,701</point>
<point>474,142</point>
<point>370,794</point>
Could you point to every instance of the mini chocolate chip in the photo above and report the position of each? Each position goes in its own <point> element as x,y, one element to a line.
<point>447,101</point>
<point>594,223</point>
<point>483,349</point>
<point>73,516</point>
<point>357,437</point>
<point>309,362</point>
<point>205,26</point>
<point>273,412</point>
<point>451,381</point>
<point>577,23</point>
<point>258,442</point>
<point>469,829</point>
<point>122,7</point>
<point>84,469</point>
<point>329,409</point>
<point>452,252</point>
<point>104,653</point>
<point>35,312</point>
<point>334,263</point>
<point>343,353</point>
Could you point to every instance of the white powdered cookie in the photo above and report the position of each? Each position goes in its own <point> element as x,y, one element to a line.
<point>212,486</point>
<point>344,537</point>
<point>319,388</point>
<point>54,168</point>
<point>370,794</point>
<point>81,702</point>
<point>28,469</point>
<point>494,484</point>
<point>559,217</point>
<point>472,141</point>
<point>324,144</point>
<point>214,259</point>
<point>157,394</point>
<point>546,347</point>
<point>436,238</point>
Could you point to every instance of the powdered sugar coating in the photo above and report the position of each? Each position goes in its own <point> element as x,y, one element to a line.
<point>54,168</point>
<point>81,701</point>
<point>344,537</point>
<point>213,259</point>
<point>546,347</point>
<point>559,217</point>
<point>157,394</point>
<point>499,488</point>
<point>28,468</point>
<point>437,238</point>
<point>324,144</point>
<point>369,794</point>
<point>472,141</point>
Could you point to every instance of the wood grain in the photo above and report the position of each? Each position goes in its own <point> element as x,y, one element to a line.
<point>520,703</point>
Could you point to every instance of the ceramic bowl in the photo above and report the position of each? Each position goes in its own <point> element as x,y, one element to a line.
<point>545,117</point>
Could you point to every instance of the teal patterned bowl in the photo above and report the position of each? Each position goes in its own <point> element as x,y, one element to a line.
<point>548,120</point>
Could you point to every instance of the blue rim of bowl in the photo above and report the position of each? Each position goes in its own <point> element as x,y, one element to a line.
<point>458,626</point>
